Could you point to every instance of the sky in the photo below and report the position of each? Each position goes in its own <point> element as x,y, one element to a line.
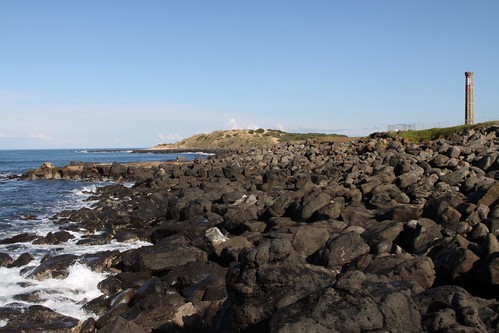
<point>123,73</point>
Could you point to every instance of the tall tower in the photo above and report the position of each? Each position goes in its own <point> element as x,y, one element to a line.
<point>468,109</point>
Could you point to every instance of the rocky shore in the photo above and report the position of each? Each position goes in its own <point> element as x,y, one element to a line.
<point>376,235</point>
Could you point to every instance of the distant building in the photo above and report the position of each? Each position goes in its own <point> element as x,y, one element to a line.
<point>401,127</point>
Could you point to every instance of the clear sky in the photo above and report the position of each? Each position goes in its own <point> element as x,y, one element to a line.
<point>122,73</point>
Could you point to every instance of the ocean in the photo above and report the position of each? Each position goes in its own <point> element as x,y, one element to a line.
<point>28,207</point>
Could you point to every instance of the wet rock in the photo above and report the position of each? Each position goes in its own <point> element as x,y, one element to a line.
<point>123,297</point>
<point>36,318</point>
<point>100,261</point>
<point>121,325</point>
<point>55,238</point>
<point>22,260</point>
<point>55,267</point>
<point>91,240</point>
<point>98,306</point>
<point>21,238</point>
<point>5,259</point>
<point>88,326</point>
<point>111,315</point>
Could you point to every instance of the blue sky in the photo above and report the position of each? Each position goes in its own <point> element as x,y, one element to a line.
<point>112,73</point>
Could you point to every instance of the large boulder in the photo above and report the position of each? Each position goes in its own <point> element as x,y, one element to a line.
<point>36,318</point>
<point>340,310</point>
<point>54,267</point>
<point>342,250</point>
<point>163,259</point>
<point>269,277</point>
<point>453,309</point>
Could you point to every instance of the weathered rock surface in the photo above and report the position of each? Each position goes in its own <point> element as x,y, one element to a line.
<point>36,318</point>
<point>375,235</point>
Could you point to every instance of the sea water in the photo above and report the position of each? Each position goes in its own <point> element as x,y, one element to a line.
<point>29,207</point>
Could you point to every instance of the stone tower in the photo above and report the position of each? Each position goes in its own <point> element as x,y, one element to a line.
<point>468,109</point>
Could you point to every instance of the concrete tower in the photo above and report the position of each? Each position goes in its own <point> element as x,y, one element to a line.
<point>468,109</point>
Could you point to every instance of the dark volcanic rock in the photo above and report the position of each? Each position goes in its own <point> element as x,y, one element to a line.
<point>21,238</point>
<point>374,235</point>
<point>22,260</point>
<point>36,318</point>
<point>342,249</point>
<point>55,267</point>
<point>339,310</point>
<point>270,276</point>
<point>164,259</point>
<point>5,260</point>
<point>451,309</point>
<point>54,238</point>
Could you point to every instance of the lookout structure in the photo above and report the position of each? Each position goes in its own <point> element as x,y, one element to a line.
<point>468,97</point>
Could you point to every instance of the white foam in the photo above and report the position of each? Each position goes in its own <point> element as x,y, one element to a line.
<point>85,190</point>
<point>74,291</point>
<point>65,296</point>
<point>203,153</point>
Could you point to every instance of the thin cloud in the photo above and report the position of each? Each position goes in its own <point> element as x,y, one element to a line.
<point>12,95</point>
<point>280,127</point>
<point>40,136</point>
<point>170,137</point>
<point>232,124</point>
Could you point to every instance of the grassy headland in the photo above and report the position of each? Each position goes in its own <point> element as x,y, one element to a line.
<point>233,139</point>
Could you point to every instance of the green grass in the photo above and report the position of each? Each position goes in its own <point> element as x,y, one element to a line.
<point>250,138</point>
<point>440,133</point>
<point>289,137</point>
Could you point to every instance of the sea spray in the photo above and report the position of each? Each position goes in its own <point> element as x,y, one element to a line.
<point>30,207</point>
<point>77,289</point>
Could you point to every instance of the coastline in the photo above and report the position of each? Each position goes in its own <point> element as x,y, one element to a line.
<point>263,238</point>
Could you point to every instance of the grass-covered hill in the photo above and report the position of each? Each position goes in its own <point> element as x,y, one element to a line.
<point>442,133</point>
<point>246,138</point>
<point>234,139</point>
